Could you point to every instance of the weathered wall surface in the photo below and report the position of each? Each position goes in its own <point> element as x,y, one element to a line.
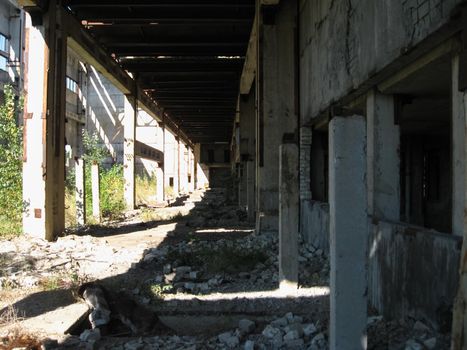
<point>412,269</point>
<point>343,43</point>
<point>314,224</point>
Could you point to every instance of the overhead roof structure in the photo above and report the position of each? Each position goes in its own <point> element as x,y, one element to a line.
<point>187,54</point>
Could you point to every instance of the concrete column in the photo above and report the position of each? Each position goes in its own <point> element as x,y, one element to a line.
<point>178,162</point>
<point>277,108</point>
<point>348,232</point>
<point>251,190</point>
<point>44,129</point>
<point>96,199</point>
<point>159,183</point>
<point>129,134</point>
<point>80,190</point>
<point>288,216</point>
<point>191,168</point>
<point>383,161</point>
<point>459,208</point>
<point>305,163</point>
<point>247,151</point>
<point>458,152</point>
<point>164,165</point>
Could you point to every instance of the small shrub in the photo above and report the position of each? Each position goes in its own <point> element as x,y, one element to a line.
<point>112,197</point>
<point>146,189</point>
<point>11,151</point>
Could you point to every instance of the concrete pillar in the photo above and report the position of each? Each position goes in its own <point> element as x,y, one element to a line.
<point>251,190</point>
<point>164,164</point>
<point>458,152</point>
<point>159,183</point>
<point>129,134</point>
<point>459,208</point>
<point>277,107</point>
<point>383,160</point>
<point>191,171</point>
<point>288,216</point>
<point>178,162</point>
<point>305,163</point>
<point>96,199</point>
<point>80,190</point>
<point>247,151</point>
<point>44,127</point>
<point>348,232</point>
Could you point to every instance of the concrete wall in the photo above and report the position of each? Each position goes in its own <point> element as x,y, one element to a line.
<point>314,223</point>
<point>413,270</point>
<point>343,43</point>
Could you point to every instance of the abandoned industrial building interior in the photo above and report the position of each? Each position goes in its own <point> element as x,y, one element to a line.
<point>235,174</point>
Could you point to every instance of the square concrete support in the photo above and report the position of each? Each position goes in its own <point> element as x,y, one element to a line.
<point>80,190</point>
<point>288,216</point>
<point>383,160</point>
<point>458,152</point>
<point>459,208</point>
<point>251,190</point>
<point>159,183</point>
<point>96,192</point>
<point>246,106</point>
<point>348,232</point>
<point>191,169</point>
<point>44,127</point>
<point>277,108</point>
<point>129,134</point>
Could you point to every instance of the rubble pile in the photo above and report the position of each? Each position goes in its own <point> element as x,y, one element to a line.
<point>286,332</point>
<point>26,262</point>
<point>407,334</point>
<point>249,263</point>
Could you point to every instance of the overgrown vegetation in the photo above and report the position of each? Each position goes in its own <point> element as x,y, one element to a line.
<point>146,189</point>
<point>11,149</point>
<point>112,202</point>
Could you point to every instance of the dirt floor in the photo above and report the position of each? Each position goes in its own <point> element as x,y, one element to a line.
<point>193,275</point>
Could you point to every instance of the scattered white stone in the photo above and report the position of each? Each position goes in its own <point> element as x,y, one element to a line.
<point>413,345</point>
<point>420,326</point>
<point>280,322</point>
<point>309,329</point>
<point>291,335</point>
<point>430,343</point>
<point>271,332</point>
<point>231,341</point>
<point>246,326</point>
<point>90,335</point>
<point>249,345</point>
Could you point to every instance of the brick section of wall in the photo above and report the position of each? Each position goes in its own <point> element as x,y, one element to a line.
<point>305,158</point>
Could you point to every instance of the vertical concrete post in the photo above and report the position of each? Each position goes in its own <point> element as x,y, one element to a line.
<point>288,216</point>
<point>383,161</point>
<point>159,183</point>
<point>459,208</point>
<point>44,130</point>
<point>95,184</point>
<point>80,189</point>
<point>197,165</point>
<point>277,107</point>
<point>348,232</point>
<point>164,160</point>
<point>129,134</point>
<point>458,152</point>
<point>177,149</point>
<point>192,166</point>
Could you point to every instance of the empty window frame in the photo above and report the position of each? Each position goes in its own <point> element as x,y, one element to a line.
<point>71,85</point>
<point>4,52</point>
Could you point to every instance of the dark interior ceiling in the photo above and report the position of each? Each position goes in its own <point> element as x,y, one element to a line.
<point>188,54</point>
